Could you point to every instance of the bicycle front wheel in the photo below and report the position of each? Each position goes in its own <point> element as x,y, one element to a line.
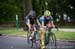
<point>52,41</point>
<point>30,42</point>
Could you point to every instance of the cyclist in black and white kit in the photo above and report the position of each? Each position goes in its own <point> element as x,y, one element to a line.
<point>31,19</point>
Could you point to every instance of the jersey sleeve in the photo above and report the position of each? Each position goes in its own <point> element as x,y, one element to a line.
<point>41,19</point>
<point>51,18</point>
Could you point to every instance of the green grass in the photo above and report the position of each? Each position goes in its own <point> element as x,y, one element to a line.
<point>65,35</point>
<point>20,32</point>
<point>67,26</point>
<point>13,32</point>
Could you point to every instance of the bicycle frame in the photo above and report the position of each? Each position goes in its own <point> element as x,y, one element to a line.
<point>50,38</point>
<point>47,34</point>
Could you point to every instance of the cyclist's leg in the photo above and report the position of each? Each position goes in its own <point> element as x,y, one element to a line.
<point>34,32</point>
<point>42,38</point>
<point>49,24</point>
<point>29,30</point>
<point>29,26</point>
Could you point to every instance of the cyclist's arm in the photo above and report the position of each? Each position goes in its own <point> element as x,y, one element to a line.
<point>43,25</point>
<point>42,22</point>
<point>52,23</point>
<point>28,23</point>
<point>38,22</point>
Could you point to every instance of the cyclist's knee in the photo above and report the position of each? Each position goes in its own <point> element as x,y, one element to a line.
<point>42,31</point>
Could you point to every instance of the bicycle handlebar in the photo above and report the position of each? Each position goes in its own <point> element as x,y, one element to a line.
<point>37,26</point>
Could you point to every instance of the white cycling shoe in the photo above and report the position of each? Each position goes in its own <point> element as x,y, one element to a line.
<point>30,38</point>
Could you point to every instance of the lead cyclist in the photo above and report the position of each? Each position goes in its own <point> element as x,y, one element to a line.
<point>45,20</point>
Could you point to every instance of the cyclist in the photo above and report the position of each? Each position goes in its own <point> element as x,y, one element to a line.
<point>45,20</point>
<point>30,21</point>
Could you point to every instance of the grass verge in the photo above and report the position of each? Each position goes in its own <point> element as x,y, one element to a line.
<point>13,32</point>
<point>20,32</point>
<point>65,35</point>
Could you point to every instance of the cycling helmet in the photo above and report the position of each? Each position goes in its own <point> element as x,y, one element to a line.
<point>32,13</point>
<point>47,13</point>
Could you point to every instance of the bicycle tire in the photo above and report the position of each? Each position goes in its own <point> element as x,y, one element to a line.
<point>30,42</point>
<point>52,41</point>
<point>37,39</point>
<point>37,36</point>
<point>28,37</point>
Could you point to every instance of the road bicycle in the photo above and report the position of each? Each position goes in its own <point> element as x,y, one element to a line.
<point>35,39</point>
<point>50,39</point>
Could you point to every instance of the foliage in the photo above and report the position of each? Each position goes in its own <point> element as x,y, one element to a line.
<point>55,6</point>
<point>8,10</point>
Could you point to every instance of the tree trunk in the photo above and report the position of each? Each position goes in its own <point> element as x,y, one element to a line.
<point>27,6</point>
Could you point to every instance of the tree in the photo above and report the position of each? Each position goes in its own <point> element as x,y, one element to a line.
<point>9,9</point>
<point>55,6</point>
<point>26,7</point>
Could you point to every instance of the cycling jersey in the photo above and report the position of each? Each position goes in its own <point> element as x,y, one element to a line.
<point>32,20</point>
<point>43,19</point>
<point>29,16</point>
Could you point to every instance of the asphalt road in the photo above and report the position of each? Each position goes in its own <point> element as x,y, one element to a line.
<point>8,42</point>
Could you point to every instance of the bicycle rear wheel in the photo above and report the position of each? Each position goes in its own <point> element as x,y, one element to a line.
<point>52,41</point>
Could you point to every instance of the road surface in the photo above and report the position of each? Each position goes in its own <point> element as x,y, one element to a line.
<point>8,42</point>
